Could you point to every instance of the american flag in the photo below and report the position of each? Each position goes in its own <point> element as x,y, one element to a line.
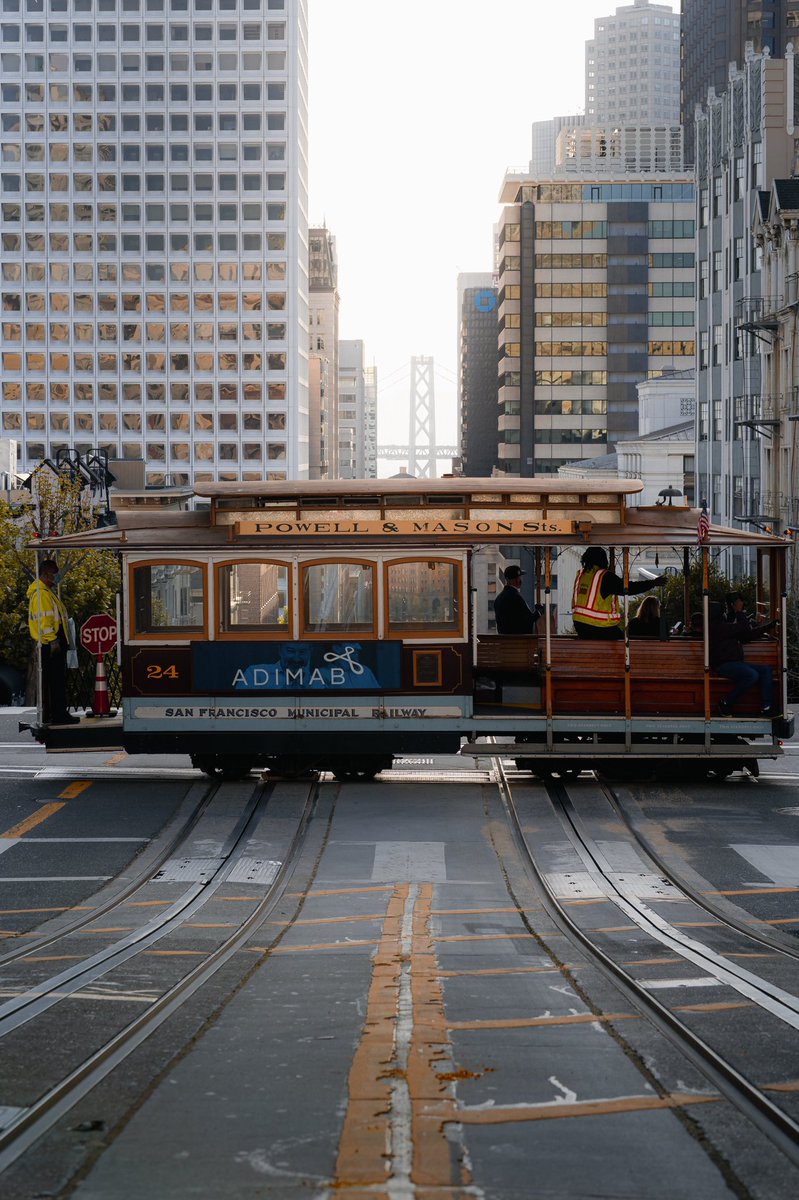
<point>703,524</point>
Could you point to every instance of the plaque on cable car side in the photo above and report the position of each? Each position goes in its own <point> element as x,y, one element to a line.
<point>158,670</point>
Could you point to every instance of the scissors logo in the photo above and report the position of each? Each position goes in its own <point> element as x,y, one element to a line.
<point>346,657</point>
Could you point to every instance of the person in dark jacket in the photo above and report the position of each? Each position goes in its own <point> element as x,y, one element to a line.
<point>727,658</point>
<point>511,610</point>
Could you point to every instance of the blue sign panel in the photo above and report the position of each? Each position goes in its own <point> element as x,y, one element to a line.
<point>345,666</point>
<point>485,301</point>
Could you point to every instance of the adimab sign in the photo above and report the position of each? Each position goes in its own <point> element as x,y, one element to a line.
<point>348,665</point>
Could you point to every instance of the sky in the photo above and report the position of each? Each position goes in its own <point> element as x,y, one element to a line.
<point>417,108</point>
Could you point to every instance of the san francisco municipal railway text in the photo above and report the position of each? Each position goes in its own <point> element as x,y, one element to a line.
<point>403,528</point>
<point>232,713</point>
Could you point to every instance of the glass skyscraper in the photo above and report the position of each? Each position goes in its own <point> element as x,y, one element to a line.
<point>153,183</point>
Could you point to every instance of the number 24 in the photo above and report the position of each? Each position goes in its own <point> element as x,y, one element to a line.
<point>156,672</point>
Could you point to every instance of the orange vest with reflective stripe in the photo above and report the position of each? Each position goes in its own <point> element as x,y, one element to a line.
<point>588,603</point>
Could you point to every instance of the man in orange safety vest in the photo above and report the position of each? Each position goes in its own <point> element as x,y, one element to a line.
<point>595,604</point>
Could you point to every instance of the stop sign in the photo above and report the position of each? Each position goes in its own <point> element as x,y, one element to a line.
<point>98,635</point>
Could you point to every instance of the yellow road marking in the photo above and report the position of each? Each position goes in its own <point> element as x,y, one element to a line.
<point>12,912</point>
<point>507,971</point>
<point>376,1076</point>
<point>385,887</point>
<point>651,962</point>
<point>209,925</point>
<point>778,921</point>
<point>696,924</point>
<point>46,811</point>
<point>175,953</point>
<point>467,912</point>
<point>116,759</point>
<point>51,957</point>
<point>584,1108</point>
<point>763,891</point>
<point>747,954</point>
<point>720,1006</point>
<point>74,789</point>
<point>536,1022</point>
<point>791,1085</point>
<point>484,937</point>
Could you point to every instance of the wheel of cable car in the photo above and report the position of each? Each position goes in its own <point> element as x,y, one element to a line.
<point>289,766</point>
<point>721,770</point>
<point>222,766</point>
<point>360,770</point>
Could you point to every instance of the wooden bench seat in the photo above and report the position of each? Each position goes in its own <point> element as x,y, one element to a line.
<point>665,677</point>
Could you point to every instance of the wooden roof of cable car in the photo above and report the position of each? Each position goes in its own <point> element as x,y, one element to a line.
<point>538,485</point>
<point>170,531</point>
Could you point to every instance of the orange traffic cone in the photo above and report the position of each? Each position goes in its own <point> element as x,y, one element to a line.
<point>101,706</point>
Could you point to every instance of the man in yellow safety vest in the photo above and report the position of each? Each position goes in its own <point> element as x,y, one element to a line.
<point>595,604</point>
<point>48,626</point>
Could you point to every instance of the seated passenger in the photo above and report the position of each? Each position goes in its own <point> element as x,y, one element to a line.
<point>646,622</point>
<point>727,658</point>
<point>736,612</point>
<point>511,610</point>
<point>695,627</point>
<point>595,607</point>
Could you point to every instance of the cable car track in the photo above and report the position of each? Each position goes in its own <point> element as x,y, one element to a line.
<point>29,1123</point>
<point>769,940</point>
<point>139,878</point>
<point>750,1099</point>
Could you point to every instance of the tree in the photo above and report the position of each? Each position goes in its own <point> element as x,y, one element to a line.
<point>90,579</point>
<point>719,587</point>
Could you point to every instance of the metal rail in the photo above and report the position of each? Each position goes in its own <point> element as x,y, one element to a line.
<point>750,1100</point>
<point>772,999</point>
<point>32,1002</point>
<point>769,940</point>
<point>38,1118</point>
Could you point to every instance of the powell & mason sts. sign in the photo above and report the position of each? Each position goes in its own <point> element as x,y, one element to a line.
<point>420,526</point>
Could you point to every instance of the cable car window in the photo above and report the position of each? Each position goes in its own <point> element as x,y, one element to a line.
<point>254,597</point>
<point>168,597</point>
<point>338,597</point>
<point>423,595</point>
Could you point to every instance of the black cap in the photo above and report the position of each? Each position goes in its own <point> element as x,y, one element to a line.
<point>513,573</point>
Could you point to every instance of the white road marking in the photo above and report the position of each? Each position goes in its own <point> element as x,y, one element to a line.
<point>704,981</point>
<point>568,1097</point>
<point>7,843</point>
<point>399,1185</point>
<point>780,864</point>
<point>411,862</point>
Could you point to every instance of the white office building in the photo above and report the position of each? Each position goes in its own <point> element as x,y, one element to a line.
<point>357,413</point>
<point>153,192</point>
<point>632,67</point>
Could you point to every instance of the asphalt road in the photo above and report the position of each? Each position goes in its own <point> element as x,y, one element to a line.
<point>408,1022</point>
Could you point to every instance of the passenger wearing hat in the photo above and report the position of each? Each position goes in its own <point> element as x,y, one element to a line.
<point>595,605</point>
<point>511,610</point>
